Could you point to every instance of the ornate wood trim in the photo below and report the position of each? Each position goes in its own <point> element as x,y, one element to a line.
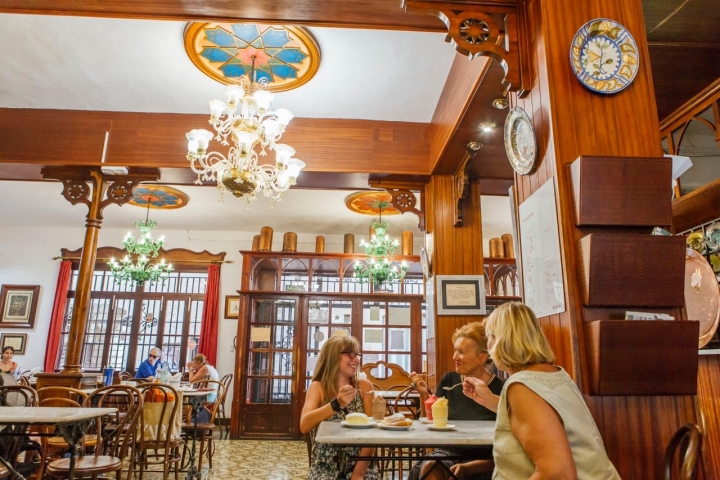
<point>484,29</point>
<point>696,104</point>
<point>461,182</point>
<point>177,256</point>
<point>403,199</point>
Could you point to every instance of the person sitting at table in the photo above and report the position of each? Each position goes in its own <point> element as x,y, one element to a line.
<point>200,370</point>
<point>544,428</point>
<point>149,366</point>
<point>471,360</point>
<point>6,364</point>
<point>332,395</point>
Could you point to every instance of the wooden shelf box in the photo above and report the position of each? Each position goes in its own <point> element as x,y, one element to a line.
<point>632,270</point>
<point>622,191</point>
<point>642,357</point>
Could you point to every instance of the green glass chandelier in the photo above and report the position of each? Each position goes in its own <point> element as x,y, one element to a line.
<point>139,269</point>
<point>379,268</point>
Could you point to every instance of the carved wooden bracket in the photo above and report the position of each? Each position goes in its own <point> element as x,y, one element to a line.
<point>482,29</point>
<point>115,189</point>
<point>462,181</point>
<point>403,199</point>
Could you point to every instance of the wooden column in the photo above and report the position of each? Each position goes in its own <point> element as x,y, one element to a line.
<point>457,251</point>
<point>101,192</point>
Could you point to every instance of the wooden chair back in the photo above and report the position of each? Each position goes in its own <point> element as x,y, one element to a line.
<point>684,445</point>
<point>158,419</point>
<point>18,396</point>
<point>396,378</point>
<point>118,434</point>
<point>61,397</point>
<point>410,407</point>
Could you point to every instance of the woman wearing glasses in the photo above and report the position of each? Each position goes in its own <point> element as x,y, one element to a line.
<point>332,395</point>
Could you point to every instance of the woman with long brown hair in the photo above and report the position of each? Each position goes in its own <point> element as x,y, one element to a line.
<point>333,394</point>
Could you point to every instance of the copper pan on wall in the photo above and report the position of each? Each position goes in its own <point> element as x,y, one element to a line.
<point>702,295</point>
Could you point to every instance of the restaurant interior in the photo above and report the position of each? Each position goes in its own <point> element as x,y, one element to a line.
<point>432,161</point>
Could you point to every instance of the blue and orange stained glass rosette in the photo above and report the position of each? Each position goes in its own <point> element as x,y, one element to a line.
<point>158,196</point>
<point>285,57</point>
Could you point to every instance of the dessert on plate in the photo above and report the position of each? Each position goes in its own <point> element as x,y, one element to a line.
<point>357,419</point>
<point>396,420</point>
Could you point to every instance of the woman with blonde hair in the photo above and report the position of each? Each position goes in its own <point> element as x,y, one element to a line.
<point>201,370</point>
<point>543,428</point>
<point>332,395</point>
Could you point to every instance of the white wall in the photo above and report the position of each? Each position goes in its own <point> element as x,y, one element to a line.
<point>26,259</point>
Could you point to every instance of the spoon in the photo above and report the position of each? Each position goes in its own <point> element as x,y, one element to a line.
<point>450,388</point>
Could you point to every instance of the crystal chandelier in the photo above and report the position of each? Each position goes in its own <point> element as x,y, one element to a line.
<point>245,118</point>
<point>379,267</point>
<point>144,248</point>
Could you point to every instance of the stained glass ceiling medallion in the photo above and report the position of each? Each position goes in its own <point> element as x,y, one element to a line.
<point>285,57</point>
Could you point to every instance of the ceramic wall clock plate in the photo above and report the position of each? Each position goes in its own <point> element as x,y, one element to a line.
<point>520,143</point>
<point>702,295</point>
<point>604,56</point>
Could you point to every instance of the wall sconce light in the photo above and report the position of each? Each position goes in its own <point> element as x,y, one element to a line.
<point>500,103</point>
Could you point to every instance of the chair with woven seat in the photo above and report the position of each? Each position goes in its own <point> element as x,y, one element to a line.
<point>685,444</point>
<point>115,444</point>
<point>158,441</point>
<point>206,429</point>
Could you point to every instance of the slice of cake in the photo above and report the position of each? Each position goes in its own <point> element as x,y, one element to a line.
<point>357,419</point>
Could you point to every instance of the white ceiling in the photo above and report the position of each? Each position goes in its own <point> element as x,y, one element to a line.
<point>81,63</point>
<point>320,212</point>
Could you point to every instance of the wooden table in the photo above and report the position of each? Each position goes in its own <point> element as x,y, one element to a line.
<point>71,423</point>
<point>467,433</point>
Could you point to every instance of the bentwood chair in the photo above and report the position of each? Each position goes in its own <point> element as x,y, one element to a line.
<point>227,381</point>
<point>18,396</point>
<point>115,444</point>
<point>158,442</point>
<point>685,444</point>
<point>205,430</point>
<point>410,407</point>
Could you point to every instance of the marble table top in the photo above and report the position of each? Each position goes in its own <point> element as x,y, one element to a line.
<point>394,393</point>
<point>50,415</point>
<point>466,433</point>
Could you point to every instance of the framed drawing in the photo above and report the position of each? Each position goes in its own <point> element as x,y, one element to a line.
<point>18,305</point>
<point>232,306</point>
<point>460,294</point>
<point>17,341</point>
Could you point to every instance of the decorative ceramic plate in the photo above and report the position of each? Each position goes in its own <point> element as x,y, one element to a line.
<point>370,424</point>
<point>394,427</point>
<point>702,295</point>
<point>441,429</point>
<point>520,143</point>
<point>604,56</point>
<point>425,262</point>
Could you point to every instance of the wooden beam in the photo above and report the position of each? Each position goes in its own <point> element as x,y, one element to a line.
<point>381,14</point>
<point>76,137</point>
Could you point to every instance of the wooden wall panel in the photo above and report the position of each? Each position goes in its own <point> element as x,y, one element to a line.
<point>708,402</point>
<point>72,137</point>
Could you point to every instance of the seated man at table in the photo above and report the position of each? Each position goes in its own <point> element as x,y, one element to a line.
<point>471,360</point>
<point>148,367</point>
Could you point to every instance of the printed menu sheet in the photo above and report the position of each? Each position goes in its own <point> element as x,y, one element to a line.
<point>540,244</point>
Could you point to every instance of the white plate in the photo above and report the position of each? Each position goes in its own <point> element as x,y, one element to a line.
<point>425,420</point>
<point>394,427</point>
<point>441,429</point>
<point>370,424</point>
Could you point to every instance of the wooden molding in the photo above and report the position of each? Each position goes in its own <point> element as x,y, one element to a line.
<point>489,29</point>
<point>697,207</point>
<point>177,256</point>
<point>696,104</point>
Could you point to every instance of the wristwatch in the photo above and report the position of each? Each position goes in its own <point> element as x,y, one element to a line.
<point>335,404</point>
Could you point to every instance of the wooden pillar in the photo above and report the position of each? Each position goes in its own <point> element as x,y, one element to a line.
<point>457,251</point>
<point>76,190</point>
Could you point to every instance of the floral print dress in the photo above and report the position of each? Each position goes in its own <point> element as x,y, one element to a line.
<point>327,459</point>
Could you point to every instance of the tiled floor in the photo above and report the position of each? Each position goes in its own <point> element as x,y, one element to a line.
<point>254,460</point>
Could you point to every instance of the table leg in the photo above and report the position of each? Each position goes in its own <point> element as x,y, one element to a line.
<point>72,433</point>
<point>196,403</point>
<point>11,439</point>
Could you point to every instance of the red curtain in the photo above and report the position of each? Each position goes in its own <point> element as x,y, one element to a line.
<point>58,314</point>
<point>209,330</point>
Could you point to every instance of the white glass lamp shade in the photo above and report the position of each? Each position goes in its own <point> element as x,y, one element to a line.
<point>284,116</point>
<point>283,180</point>
<point>245,140</point>
<point>270,129</point>
<point>217,107</point>
<point>234,93</point>
<point>198,140</point>
<point>283,153</point>
<point>294,166</point>
<point>263,99</point>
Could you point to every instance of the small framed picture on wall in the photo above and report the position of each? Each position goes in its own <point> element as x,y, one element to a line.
<point>460,294</point>
<point>18,341</point>
<point>18,305</point>
<point>232,306</point>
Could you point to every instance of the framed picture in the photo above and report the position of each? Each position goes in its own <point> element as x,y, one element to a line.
<point>232,306</point>
<point>18,305</point>
<point>16,340</point>
<point>460,294</point>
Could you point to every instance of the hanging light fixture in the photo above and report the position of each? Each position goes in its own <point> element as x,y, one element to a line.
<point>379,267</point>
<point>245,118</point>
<point>143,248</point>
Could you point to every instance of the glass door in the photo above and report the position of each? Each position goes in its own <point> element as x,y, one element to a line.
<point>270,368</point>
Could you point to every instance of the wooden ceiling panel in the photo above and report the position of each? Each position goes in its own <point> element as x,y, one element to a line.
<point>693,21</point>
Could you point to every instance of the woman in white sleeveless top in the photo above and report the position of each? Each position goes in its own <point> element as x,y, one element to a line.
<point>201,370</point>
<point>543,429</point>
